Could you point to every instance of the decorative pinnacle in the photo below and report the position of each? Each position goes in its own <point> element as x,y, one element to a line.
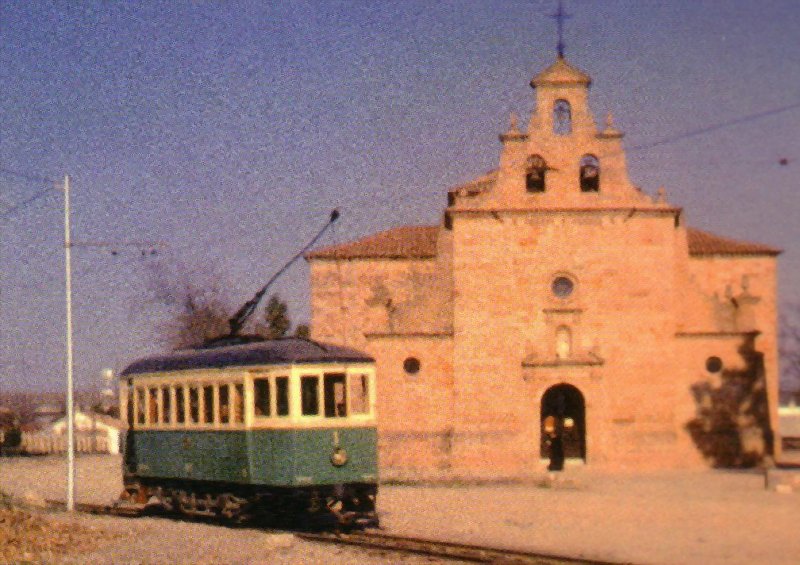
<point>662,195</point>
<point>610,121</point>
<point>513,119</point>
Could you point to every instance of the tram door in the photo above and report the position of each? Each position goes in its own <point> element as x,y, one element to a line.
<point>563,412</point>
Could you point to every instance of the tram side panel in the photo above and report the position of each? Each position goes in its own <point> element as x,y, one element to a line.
<point>291,457</point>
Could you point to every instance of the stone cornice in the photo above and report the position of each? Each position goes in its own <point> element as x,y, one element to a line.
<point>562,310</point>
<point>718,334</point>
<point>563,210</point>
<point>405,335</point>
<point>585,360</point>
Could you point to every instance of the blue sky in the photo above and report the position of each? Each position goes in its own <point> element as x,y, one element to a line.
<point>228,130</point>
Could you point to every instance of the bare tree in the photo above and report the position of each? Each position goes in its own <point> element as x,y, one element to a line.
<point>197,308</point>
<point>790,344</point>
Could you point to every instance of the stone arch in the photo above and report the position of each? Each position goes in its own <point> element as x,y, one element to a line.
<point>590,174</point>
<point>535,169</point>
<point>562,117</point>
<point>563,408</point>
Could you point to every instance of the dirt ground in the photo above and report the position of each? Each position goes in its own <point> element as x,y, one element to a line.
<point>660,517</point>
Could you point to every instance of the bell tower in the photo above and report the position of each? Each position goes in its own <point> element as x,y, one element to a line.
<point>563,160</point>
<point>562,101</point>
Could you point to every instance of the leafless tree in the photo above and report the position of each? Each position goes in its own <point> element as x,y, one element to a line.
<point>196,306</point>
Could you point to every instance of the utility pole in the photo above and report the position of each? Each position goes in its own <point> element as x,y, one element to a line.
<point>70,400</point>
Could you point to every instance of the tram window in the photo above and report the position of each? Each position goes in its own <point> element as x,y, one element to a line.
<point>224,405</point>
<point>179,405</point>
<point>152,406</point>
<point>238,404</point>
<point>208,404</point>
<point>261,400</point>
<point>309,395</point>
<point>194,405</point>
<point>282,396</point>
<point>166,404</point>
<point>359,394</point>
<point>335,397</point>
<point>140,406</point>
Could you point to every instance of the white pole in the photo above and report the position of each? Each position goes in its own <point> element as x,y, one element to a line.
<point>70,402</point>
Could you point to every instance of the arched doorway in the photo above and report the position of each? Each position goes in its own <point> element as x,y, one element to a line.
<point>563,409</point>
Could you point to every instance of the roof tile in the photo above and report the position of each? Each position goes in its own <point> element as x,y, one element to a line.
<point>419,242</point>
<point>404,242</point>
<point>705,243</point>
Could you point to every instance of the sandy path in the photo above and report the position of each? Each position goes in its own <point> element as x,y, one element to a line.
<point>666,517</point>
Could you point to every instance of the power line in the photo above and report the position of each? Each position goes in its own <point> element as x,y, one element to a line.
<point>26,176</point>
<point>29,177</point>
<point>24,203</point>
<point>715,127</point>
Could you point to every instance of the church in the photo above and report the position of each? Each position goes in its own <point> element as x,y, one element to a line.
<point>557,298</point>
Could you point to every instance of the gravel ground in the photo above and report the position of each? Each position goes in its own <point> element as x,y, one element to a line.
<point>660,517</point>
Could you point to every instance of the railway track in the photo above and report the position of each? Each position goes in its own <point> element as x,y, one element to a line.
<point>100,509</point>
<point>383,542</point>
<point>445,550</point>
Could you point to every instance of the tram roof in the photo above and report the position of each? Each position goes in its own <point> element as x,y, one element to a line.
<point>283,351</point>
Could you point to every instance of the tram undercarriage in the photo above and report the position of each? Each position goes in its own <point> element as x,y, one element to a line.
<point>349,505</point>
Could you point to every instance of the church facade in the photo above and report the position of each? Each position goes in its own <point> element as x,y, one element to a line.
<point>558,299</point>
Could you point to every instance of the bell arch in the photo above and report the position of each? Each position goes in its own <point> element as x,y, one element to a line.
<point>535,169</point>
<point>590,174</point>
<point>562,117</point>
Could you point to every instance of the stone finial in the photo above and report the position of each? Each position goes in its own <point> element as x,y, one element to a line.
<point>610,131</point>
<point>661,195</point>
<point>513,133</point>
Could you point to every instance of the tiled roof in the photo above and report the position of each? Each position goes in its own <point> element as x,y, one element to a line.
<point>477,184</point>
<point>419,242</point>
<point>704,243</point>
<point>404,242</point>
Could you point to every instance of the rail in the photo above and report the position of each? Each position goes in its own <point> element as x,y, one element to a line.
<point>445,550</point>
<point>385,542</point>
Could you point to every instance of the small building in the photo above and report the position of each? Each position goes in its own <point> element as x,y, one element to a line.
<point>555,292</point>
<point>94,433</point>
<point>46,414</point>
<point>789,417</point>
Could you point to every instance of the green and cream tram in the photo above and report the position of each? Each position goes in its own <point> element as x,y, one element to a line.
<point>272,426</point>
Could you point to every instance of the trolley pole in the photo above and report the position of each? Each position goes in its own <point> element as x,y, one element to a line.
<point>70,400</point>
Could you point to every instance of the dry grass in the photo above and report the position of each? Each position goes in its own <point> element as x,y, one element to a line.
<point>28,535</point>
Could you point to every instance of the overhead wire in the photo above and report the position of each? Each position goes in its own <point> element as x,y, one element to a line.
<point>17,207</point>
<point>712,128</point>
<point>26,176</point>
<point>39,179</point>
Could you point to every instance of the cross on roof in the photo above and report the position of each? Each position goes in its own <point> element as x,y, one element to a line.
<point>560,16</point>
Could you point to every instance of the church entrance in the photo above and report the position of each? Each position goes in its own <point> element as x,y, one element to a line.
<point>563,414</point>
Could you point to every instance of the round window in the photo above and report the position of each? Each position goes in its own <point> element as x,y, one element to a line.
<point>563,287</point>
<point>411,365</point>
<point>713,364</point>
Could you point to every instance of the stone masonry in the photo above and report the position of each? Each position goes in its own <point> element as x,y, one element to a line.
<point>555,287</point>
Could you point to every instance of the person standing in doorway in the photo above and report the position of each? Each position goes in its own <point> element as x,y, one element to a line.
<point>554,429</point>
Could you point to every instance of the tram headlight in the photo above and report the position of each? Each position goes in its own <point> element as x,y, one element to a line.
<point>339,457</point>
